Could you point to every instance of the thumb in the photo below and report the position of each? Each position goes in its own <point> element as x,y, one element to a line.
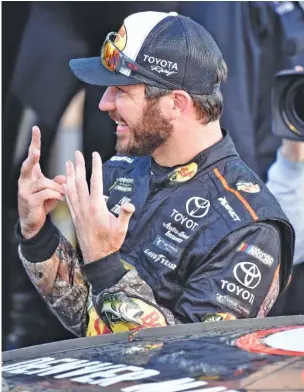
<point>125,213</point>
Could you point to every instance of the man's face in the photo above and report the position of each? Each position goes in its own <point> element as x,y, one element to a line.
<point>141,125</point>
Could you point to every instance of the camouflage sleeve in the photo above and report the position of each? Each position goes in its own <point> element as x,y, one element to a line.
<point>129,305</point>
<point>121,300</point>
<point>57,278</point>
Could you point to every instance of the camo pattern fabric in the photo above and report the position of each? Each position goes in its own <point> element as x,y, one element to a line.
<point>127,306</point>
<point>131,301</point>
<point>272,295</point>
<point>60,283</point>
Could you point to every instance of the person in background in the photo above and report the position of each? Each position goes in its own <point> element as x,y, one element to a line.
<point>286,182</point>
<point>252,37</point>
<point>175,228</point>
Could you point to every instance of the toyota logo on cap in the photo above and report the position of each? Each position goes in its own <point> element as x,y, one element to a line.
<point>247,274</point>
<point>197,207</point>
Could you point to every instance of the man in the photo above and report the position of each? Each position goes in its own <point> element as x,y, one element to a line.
<point>177,229</point>
<point>254,48</point>
<point>64,29</point>
<point>286,182</point>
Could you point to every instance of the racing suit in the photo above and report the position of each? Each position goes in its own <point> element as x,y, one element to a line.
<point>205,243</point>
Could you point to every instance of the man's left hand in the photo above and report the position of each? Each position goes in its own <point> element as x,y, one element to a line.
<point>98,231</point>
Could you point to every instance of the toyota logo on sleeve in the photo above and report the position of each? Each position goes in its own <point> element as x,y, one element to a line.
<point>247,274</point>
<point>197,207</point>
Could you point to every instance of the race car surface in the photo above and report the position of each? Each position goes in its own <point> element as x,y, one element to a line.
<point>255,355</point>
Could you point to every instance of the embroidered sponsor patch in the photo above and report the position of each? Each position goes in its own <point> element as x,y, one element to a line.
<point>247,274</point>
<point>248,187</point>
<point>174,234</point>
<point>183,174</point>
<point>257,253</point>
<point>161,66</point>
<point>121,159</point>
<point>122,313</point>
<point>159,258</point>
<point>238,291</point>
<point>161,243</point>
<point>197,207</point>
<point>96,326</point>
<point>117,206</point>
<point>233,304</point>
<point>228,208</point>
<point>218,317</point>
<point>123,184</point>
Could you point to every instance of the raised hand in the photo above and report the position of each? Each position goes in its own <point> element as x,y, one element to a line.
<point>37,195</point>
<point>98,231</point>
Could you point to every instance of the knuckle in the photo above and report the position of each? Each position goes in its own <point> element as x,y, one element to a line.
<point>92,209</point>
<point>78,181</point>
<point>33,186</point>
<point>24,166</point>
<point>121,232</point>
<point>21,195</point>
<point>49,194</point>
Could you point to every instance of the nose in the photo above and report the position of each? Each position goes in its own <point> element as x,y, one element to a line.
<point>107,102</point>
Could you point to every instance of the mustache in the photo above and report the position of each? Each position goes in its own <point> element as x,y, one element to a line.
<point>115,117</point>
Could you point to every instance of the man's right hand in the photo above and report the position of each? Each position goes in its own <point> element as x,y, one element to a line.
<point>37,195</point>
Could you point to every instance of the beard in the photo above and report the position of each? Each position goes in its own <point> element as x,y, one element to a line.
<point>150,132</point>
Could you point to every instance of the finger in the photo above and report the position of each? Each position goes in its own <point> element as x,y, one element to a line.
<point>36,145</point>
<point>36,138</point>
<point>96,179</point>
<point>81,183</point>
<point>50,205</point>
<point>61,180</point>
<point>33,154</point>
<point>47,194</point>
<point>45,183</point>
<point>125,213</point>
<point>69,204</point>
<point>29,163</point>
<point>37,173</point>
<point>70,188</point>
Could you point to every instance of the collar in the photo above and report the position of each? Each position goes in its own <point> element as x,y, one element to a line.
<point>223,149</point>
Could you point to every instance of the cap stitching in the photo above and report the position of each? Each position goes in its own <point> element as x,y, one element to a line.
<point>179,19</point>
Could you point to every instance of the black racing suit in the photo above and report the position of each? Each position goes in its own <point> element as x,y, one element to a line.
<point>207,241</point>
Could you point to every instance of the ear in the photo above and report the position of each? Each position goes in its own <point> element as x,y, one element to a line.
<point>176,104</point>
<point>182,102</point>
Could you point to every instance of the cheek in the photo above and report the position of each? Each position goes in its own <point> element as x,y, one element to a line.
<point>130,111</point>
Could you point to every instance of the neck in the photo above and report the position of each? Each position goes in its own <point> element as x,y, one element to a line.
<point>185,144</point>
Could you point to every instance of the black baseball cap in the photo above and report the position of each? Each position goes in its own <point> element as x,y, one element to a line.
<point>175,52</point>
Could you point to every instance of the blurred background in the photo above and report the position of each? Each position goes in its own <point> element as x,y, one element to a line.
<point>257,39</point>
